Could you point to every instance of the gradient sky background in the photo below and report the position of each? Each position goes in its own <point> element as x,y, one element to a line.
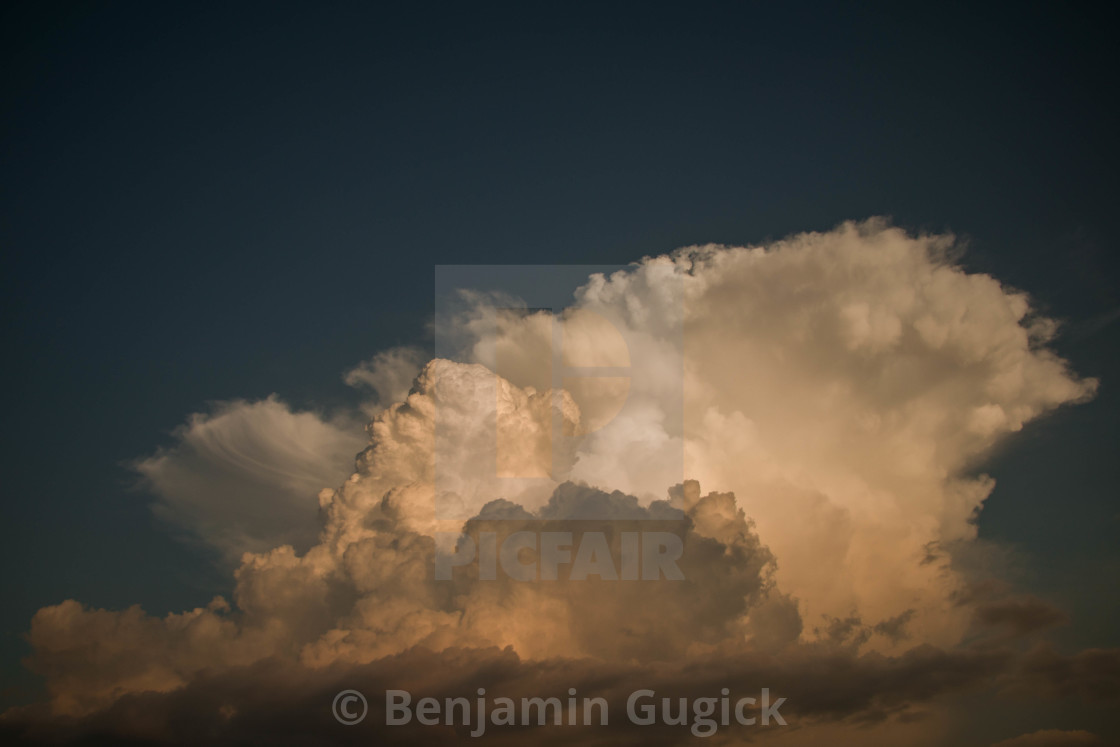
<point>203,202</point>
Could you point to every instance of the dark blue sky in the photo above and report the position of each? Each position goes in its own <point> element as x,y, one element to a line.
<point>209,201</point>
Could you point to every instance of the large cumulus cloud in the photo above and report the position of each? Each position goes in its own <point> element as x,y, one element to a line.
<point>844,385</point>
<point>836,392</point>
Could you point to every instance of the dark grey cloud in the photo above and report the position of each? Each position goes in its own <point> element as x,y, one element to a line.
<point>1091,674</point>
<point>275,702</point>
<point>1020,615</point>
<point>1052,738</point>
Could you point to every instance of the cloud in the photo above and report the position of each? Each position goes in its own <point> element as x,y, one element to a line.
<point>844,385</point>
<point>832,392</point>
<point>389,375</point>
<point>245,476</point>
<point>380,598</point>
<point>1092,674</point>
<point>272,701</point>
<point>1051,738</point>
<point>1020,616</point>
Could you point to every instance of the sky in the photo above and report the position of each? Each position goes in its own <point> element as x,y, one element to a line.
<point>220,229</point>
